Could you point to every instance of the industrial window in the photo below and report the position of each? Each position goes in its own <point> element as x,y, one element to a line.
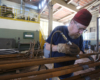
<point>92,29</point>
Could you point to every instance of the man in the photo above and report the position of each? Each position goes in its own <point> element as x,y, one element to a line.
<point>73,32</point>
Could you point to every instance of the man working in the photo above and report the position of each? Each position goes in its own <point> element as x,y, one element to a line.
<point>73,32</point>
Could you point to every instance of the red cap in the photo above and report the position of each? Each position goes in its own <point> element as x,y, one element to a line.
<point>83,17</point>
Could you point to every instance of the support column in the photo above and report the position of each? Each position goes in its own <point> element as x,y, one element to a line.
<point>0,2</point>
<point>24,7</point>
<point>50,6</point>
<point>97,35</point>
<point>21,7</point>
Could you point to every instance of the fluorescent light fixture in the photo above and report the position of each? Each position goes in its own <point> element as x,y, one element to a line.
<point>39,6</point>
<point>30,0</point>
<point>69,1</point>
<point>78,7</point>
<point>42,3</point>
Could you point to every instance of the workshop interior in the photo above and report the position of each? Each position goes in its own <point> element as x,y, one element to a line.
<point>27,25</point>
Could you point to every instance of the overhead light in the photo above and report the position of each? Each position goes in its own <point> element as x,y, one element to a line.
<point>30,0</point>
<point>70,1</point>
<point>78,7</point>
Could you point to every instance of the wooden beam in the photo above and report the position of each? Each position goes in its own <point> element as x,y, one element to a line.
<point>65,16</point>
<point>63,3</point>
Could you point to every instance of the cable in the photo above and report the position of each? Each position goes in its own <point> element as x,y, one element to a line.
<point>68,42</point>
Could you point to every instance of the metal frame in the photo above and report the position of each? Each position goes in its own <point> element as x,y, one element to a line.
<point>0,2</point>
<point>98,34</point>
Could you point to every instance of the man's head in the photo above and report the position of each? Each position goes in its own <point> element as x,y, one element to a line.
<point>79,23</point>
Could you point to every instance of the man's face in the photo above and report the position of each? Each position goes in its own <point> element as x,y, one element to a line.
<point>76,29</point>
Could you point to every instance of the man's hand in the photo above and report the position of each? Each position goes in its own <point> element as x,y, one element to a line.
<point>68,49</point>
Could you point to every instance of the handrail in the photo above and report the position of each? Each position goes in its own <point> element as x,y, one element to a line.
<point>14,14</point>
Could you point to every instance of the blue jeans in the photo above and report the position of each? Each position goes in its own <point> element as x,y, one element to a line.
<point>63,78</point>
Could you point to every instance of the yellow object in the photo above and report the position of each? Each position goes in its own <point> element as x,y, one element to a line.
<point>19,16</point>
<point>41,39</point>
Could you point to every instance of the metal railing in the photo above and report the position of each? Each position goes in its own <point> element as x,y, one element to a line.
<point>16,14</point>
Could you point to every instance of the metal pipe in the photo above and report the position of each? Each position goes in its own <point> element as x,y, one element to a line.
<point>22,60</point>
<point>11,55</point>
<point>98,34</point>
<point>59,73</point>
<point>93,76</point>
<point>82,75</point>
<point>41,62</point>
<point>97,57</point>
<point>41,72</point>
<point>50,17</point>
<point>64,37</point>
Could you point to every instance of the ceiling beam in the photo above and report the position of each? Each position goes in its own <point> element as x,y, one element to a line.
<point>94,7</point>
<point>58,9</point>
<point>45,5</point>
<point>87,4</point>
<point>69,17</point>
<point>67,1</point>
<point>63,3</point>
<point>44,16</point>
<point>70,1</point>
<point>79,9</point>
<point>67,20</point>
<point>65,16</point>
